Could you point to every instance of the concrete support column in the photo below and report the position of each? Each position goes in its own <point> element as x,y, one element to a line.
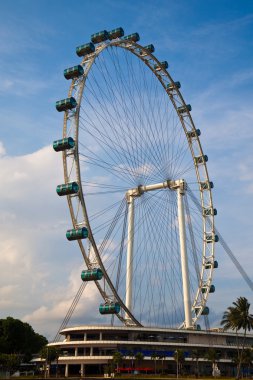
<point>85,336</point>
<point>76,351</point>
<point>91,351</point>
<point>66,370</point>
<point>100,336</point>
<point>82,370</point>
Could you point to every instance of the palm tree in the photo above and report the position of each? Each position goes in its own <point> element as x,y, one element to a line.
<point>179,358</point>
<point>212,356</point>
<point>154,357</point>
<point>247,358</point>
<point>139,357</point>
<point>117,358</point>
<point>238,317</point>
<point>196,354</point>
<point>131,355</point>
<point>162,357</point>
<point>50,354</point>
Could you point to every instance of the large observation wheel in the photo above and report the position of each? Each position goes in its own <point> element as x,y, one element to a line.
<point>133,169</point>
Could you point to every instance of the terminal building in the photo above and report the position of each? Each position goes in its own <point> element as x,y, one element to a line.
<point>88,350</point>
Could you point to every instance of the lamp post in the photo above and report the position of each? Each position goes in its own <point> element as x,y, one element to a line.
<point>176,352</point>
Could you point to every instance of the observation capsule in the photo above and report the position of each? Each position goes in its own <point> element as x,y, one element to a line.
<point>66,104</point>
<point>209,211</point>
<point>172,86</point>
<point>99,37</point>
<point>75,234</point>
<point>116,33</point>
<point>206,185</point>
<point>194,133</point>
<point>161,65</point>
<point>210,238</point>
<point>92,274</point>
<point>209,264</point>
<point>131,37</point>
<point>184,109</point>
<point>201,159</point>
<point>63,144</point>
<point>109,308</point>
<point>211,289</point>
<point>150,48</point>
<point>205,310</point>
<point>85,49</point>
<point>73,72</point>
<point>67,188</point>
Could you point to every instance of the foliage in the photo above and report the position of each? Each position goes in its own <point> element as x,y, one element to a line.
<point>139,357</point>
<point>17,337</point>
<point>179,357</point>
<point>117,358</point>
<point>49,353</point>
<point>238,317</point>
<point>9,362</point>
<point>196,354</point>
<point>212,355</point>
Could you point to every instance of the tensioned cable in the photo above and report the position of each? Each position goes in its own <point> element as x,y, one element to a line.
<point>226,247</point>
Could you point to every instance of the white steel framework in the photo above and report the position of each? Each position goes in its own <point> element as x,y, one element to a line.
<point>80,124</point>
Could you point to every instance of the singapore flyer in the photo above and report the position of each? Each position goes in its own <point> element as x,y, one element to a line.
<point>137,185</point>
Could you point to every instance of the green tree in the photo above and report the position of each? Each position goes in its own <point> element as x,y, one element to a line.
<point>212,356</point>
<point>238,317</point>
<point>196,355</point>
<point>50,354</point>
<point>179,357</point>
<point>117,359</point>
<point>162,357</point>
<point>139,357</point>
<point>17,337</point>
<point>247,359</point>
<point>154,357</point>
<point>9,362</point>
<point>131,355</point>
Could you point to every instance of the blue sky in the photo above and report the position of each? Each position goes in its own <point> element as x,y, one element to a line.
<point>209,47</point>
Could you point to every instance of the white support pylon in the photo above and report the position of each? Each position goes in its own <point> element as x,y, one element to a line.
<point>130,244</point>
<point>184,258</point>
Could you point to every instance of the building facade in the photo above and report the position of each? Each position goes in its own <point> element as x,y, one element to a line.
<point>87,350</point>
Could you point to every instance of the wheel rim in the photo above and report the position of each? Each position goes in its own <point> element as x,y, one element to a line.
<point>142,144</point>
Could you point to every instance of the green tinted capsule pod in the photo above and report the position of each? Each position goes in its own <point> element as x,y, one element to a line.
<point>206,185</point>
<point>66,104</point>
<point>161,65</point>
<point>209,264</point>
<point>85,49</point>
<point>99,37</point>
<point>210,238</point>
<point>76,234</point>
<point>205,310</point>
<point>92,274</point>
<point>211,289</point>
<point>172,86</point>
<point>194,133</point>
<point>73,72</point>
<point>150,48</point>
<point>63,144</point>
<point>116,33</point>
<point>201,159</point>
<point>184,109</point>
<point>67,188</point>
<point>109,308</point>
<point>209,211</point>
<point>131,37</point>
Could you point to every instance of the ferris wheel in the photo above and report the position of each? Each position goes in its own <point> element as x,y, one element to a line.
<point>137,185</point>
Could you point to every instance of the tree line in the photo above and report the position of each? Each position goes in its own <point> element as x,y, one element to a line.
<point>18,342</point>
